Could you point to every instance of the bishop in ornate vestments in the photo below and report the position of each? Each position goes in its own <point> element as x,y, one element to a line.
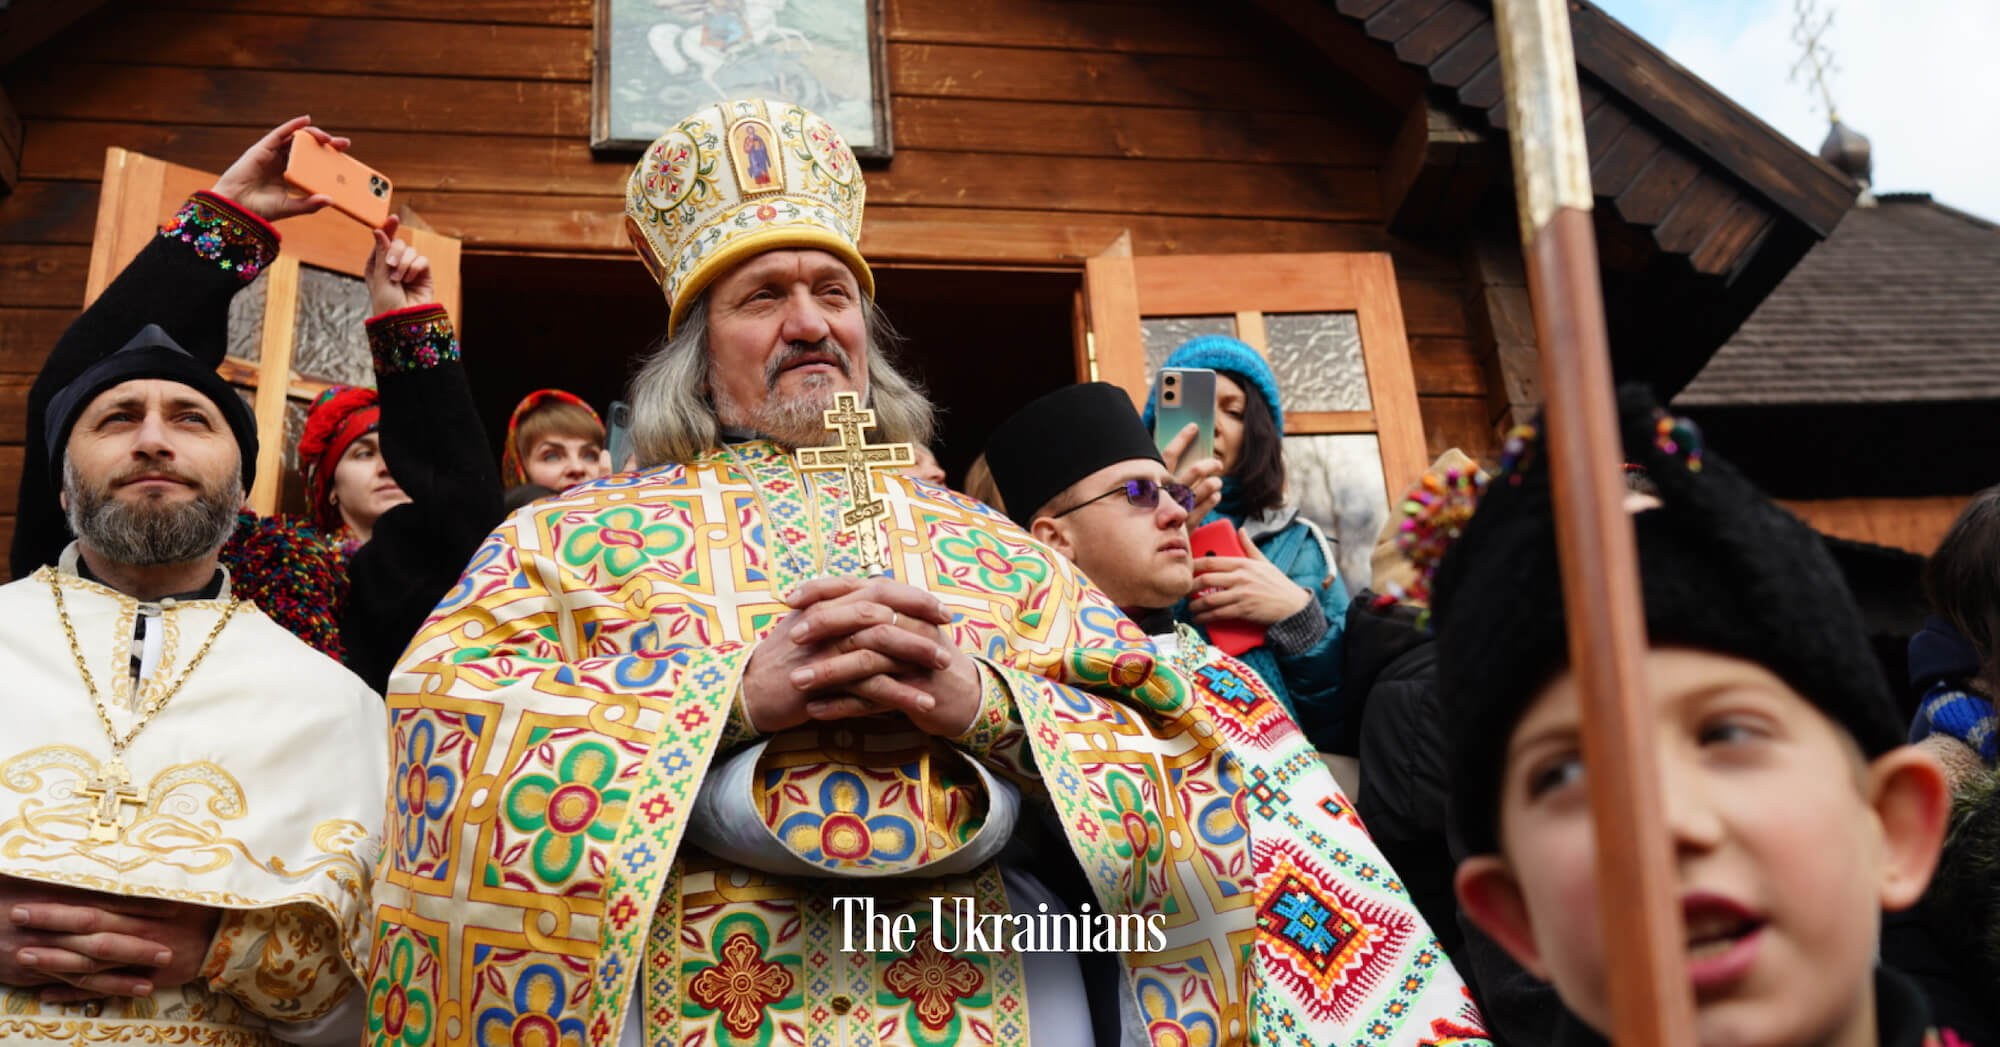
<point>672,723</point>
<point>176,768</point>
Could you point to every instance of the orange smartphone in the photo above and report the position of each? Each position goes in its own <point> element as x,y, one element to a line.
<point>354,187</point>
<point>1233,636</point>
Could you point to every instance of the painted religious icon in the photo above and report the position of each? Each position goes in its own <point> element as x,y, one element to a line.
<point>751,146</point>
<point>657,59</point>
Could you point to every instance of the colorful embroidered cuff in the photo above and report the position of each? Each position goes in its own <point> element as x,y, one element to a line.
<point>996,713</point>
<point>218,230</point>
<point>284,963</point>
<point>416,338</point>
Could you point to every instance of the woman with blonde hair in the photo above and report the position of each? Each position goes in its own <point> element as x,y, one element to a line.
<point>554,440</point>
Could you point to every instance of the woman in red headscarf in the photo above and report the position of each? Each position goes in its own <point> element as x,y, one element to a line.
<point>347,477</point>
<point>554,440</point>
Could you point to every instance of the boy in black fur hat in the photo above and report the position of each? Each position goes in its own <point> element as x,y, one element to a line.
<point>1797,816</point>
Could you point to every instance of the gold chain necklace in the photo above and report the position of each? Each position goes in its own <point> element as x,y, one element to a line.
<point>113,785</point>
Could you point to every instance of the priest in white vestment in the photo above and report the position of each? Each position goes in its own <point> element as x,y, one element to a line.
<point>190,797</point>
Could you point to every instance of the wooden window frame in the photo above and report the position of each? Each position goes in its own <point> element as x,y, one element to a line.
<point>1120,291</point>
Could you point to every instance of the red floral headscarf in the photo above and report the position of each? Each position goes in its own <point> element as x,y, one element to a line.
<point>341,415</point>
<point>512,473</point>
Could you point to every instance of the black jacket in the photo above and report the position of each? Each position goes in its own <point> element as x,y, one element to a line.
<point>1391,682</point>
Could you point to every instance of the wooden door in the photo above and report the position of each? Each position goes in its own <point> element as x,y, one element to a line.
<point>302,314</point>
<point>1330,325</point>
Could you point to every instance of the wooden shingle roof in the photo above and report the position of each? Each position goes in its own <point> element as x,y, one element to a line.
<point>1701,207</point>
<point>1900,304</point>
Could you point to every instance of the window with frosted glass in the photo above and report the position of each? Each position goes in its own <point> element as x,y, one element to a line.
<point>1336,481</point>
<point>1164,334</point>
<point>1317,358</point>
<point>329,341</point>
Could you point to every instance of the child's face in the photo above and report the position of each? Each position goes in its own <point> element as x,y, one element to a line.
<point>1786,847</point>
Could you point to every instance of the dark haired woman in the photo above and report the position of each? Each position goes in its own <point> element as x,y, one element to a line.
<point>1287,585</point>
<point>1955,659</point>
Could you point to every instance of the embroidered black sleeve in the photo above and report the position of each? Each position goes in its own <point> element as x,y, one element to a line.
<point>225,234</point>
<point>416,338</point>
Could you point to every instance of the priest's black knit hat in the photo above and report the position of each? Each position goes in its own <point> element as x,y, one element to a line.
<point>152,353</point>
<point>1723,569</point>
<point>1061,438</point>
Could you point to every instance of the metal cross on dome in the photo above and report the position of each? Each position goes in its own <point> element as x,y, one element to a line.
<point>858,459</point>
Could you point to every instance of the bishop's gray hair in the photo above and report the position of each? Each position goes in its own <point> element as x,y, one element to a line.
<point>673,414</point>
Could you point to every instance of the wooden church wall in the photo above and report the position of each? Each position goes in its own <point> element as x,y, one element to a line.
<point>1027,132</point>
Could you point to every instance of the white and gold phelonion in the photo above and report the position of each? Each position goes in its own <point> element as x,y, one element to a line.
<point>113,787</point>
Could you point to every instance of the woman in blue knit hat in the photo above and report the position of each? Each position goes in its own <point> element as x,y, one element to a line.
<point>1288,585</point>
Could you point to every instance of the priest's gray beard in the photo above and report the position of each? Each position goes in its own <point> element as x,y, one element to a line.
<point>801,420</point>
<point>150,532</point>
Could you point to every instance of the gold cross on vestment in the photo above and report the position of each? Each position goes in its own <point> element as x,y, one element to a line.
<point>110,789</point>
<point>859,459</point>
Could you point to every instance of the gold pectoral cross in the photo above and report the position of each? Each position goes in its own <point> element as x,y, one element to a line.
<point>110,789</point>
<point>859,459</point>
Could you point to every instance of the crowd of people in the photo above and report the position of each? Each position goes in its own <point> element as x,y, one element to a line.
<point>566,750</point>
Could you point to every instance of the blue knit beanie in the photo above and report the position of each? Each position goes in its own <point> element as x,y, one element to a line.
<point>1219,352</point>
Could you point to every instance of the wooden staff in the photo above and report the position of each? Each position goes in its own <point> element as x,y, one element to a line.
<point>1638,907</point>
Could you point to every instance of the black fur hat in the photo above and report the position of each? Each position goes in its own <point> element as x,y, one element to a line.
<point>1723,569</point>
<point>1060,438</point>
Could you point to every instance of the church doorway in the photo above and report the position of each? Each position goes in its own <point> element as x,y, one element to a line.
<point>982,341</point>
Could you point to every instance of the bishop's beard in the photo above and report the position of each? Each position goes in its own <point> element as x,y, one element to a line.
<point>798,420</point>
<point>147,532</point>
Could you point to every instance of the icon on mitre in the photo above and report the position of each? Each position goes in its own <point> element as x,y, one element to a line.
<point>753,148</point>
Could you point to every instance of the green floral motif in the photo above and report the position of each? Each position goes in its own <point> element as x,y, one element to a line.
<point>1000,570</point>
<point>397,1009</point>
<point>1138,835</point>
<point>621,540</point>
<point>562,810</point>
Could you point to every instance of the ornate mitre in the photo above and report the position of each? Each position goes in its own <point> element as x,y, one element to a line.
<point>736,179</point>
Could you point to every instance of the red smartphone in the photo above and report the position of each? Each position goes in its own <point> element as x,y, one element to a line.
<point>1233,636</point>
<point>355,188</point>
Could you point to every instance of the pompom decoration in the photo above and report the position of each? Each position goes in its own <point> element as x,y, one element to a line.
<point>1678,438</point>
<point>291,572</point>
<point>1434,514</point>
<point>1523,444</point>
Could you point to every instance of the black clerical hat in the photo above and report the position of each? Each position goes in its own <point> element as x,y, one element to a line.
<point>1060,439</point>
<point>152,353</point>
<point>1722,567</point>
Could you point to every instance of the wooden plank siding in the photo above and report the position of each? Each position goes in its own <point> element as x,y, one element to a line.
<point>1913,524</point>
<point>1028,133</point>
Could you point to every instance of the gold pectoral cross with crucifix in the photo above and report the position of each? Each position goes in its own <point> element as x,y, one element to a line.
<point>110,789</point>
<point>858,459</point>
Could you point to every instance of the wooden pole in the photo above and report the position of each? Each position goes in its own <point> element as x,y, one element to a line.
<point>274,378</point>
<point>1638,909</point>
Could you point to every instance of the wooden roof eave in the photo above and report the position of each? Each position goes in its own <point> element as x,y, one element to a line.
<point>1728,176</point>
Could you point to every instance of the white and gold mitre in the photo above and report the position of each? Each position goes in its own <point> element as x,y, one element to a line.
<point>736,179</point>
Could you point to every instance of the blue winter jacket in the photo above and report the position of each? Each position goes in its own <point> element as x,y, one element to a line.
<point>1306,680</point>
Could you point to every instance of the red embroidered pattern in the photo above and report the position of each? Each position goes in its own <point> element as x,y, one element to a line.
<point>931,980</point>
<point>742,985</point>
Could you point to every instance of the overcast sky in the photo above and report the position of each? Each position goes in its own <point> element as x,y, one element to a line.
<point>1916,76</point>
